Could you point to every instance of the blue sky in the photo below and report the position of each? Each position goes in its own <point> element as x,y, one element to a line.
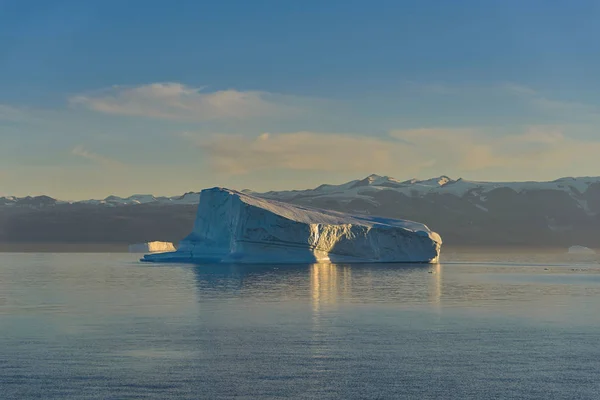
<point>122,97</point>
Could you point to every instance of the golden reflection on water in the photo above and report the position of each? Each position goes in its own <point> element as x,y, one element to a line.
<point>331,284</point>
<point>435,286</point>
<point>324,285</point>
<point>331,288</point>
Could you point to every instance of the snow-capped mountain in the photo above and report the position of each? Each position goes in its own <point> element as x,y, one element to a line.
<point>187,198</point>
<point>29,201</point>
<point>370,190</point>
<point>553,213</point>
<point>562,213</point>
<point>190,198</point>
<point>367,189</point>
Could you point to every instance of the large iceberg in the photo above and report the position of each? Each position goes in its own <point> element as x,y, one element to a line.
<point>234,227</point>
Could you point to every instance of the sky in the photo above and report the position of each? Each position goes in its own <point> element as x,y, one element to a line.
<point>166,97</point>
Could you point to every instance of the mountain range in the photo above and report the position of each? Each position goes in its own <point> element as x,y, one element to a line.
<point>110,201</point>
<point>558,213</point>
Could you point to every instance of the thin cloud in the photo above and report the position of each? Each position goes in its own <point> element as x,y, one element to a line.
<point>12,114</point>
<point>536,149</point>
<point>301,151</point>
<point>522,90</point>
<point>533,98</point>
<point>569,108</point>
<point>81,152</point>
<point>178,102</point>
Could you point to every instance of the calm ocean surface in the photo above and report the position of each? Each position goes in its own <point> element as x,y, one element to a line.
<point>477,326</point>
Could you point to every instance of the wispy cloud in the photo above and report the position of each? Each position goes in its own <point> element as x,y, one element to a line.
<point>533,99</point>
<point>81,152</point>
<point>302,151</point>
<point>518,89</point>
<point>536,149</point>
<point>178,102</point>
<point>432,88</point>
<point>10,113</point>
<point>471,150</point>
<point>543,102</point>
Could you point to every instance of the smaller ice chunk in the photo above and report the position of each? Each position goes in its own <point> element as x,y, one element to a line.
<point>580,250</point>
<point>152,247</point>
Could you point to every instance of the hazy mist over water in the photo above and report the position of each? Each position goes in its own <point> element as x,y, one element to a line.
<point>479,325</point>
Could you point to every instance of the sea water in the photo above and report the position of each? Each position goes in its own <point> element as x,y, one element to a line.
<point>477,326</point>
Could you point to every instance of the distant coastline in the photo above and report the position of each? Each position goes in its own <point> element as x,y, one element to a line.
<point>556,214</point>
<point>63,248</point>
<point>49,247</point>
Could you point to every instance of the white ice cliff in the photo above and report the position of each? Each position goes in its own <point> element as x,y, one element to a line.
<point>234,227</point>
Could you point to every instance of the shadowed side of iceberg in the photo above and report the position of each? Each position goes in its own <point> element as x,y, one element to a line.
<point>233,227</point>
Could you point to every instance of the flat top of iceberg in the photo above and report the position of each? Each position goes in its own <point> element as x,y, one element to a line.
<point>308,215</point>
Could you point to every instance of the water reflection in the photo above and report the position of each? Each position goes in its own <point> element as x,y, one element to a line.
<point>436,284</point>
<point>324,285</point>
<point>314,331</point>
<point>266,282</point>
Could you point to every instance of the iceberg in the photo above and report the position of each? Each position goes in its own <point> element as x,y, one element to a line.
<point>152,247</point>
<point>235,227</point>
